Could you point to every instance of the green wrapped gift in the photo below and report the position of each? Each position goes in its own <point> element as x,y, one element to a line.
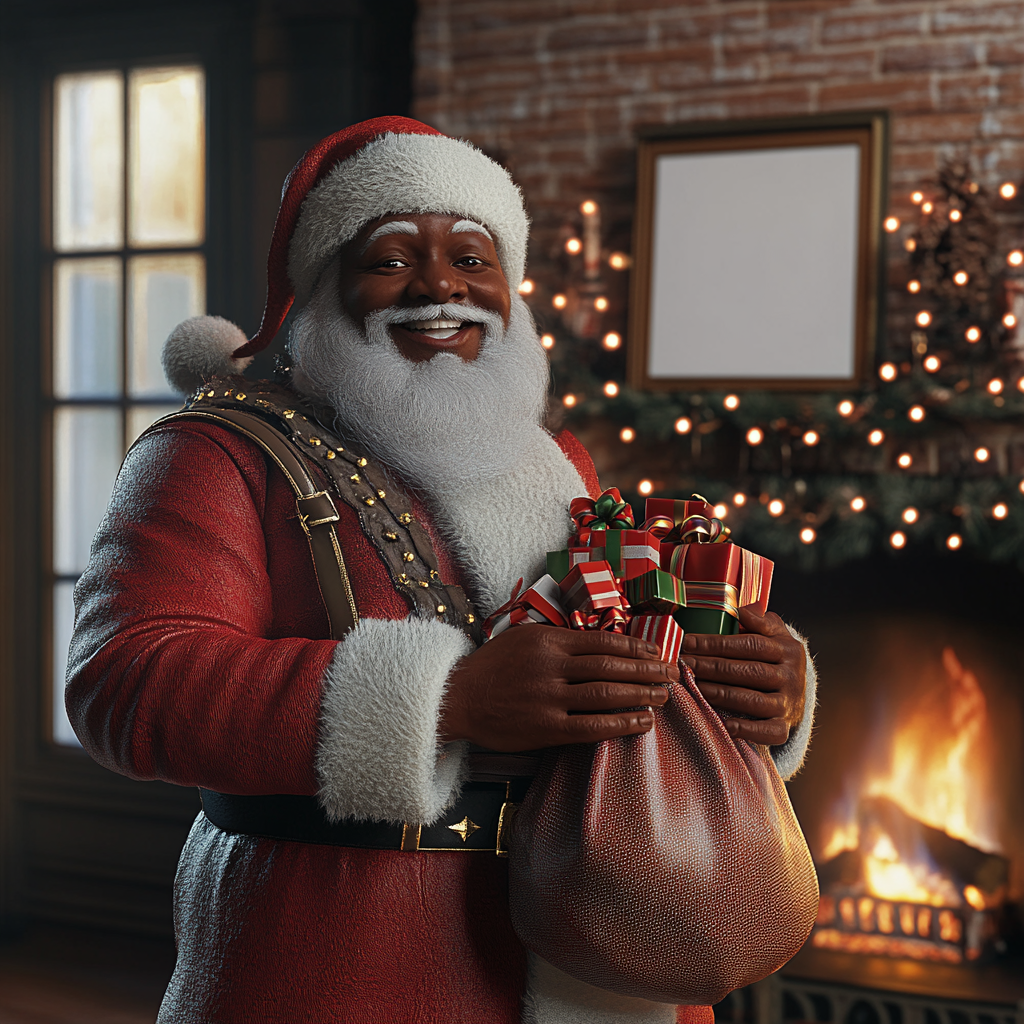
<point>655,591</point>
<point>560,562</point>
<point>706,620</point>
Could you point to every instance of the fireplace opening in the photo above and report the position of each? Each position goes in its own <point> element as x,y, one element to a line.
<point>912,798</point>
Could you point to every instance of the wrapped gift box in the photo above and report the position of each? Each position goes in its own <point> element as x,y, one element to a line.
<point>560,562</point>
<point>590,587</point>
<point>541,604</point>
<point>662,630</point>
<point>750,574</point>
<point>629,552</point>
<point>655,592</point>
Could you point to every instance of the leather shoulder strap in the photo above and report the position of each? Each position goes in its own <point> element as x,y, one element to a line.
<point>316,509</point>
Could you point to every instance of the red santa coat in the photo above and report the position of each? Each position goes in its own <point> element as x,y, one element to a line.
<point>199,658</point>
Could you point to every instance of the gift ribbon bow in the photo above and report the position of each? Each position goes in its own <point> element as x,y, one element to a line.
<point>608,512</point>
<point>611,620</point>
<point>694,529</point>
<point>518,608</point>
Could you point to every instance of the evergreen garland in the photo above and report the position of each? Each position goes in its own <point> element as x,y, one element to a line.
<point>952,355</point>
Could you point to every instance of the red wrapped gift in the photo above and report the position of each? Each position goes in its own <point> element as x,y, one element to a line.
<point>593,599</point>
<point>630,553</point>
<point>662,630</point>
<point>541,603</point>
<point>750,574</point>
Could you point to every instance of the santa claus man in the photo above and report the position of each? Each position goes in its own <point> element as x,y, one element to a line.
<point>339,872</point>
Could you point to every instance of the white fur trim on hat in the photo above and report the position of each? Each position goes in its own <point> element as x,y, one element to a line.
<point>200,348</point>
<point>407,174</point>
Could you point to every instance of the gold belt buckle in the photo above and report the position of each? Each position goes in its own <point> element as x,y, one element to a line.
<point>412,834</point>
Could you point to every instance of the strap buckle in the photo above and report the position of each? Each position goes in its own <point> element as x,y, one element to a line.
<point>316,509</point>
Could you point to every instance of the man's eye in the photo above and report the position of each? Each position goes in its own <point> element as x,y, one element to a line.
<point>470,261</point>
<point>393,262</point>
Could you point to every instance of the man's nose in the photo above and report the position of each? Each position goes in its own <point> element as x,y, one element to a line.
<point>437,281</point>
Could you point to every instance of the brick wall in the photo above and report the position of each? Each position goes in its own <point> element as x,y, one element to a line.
<point>554,88</point>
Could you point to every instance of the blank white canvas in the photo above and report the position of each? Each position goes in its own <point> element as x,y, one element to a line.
<point>755,263</point>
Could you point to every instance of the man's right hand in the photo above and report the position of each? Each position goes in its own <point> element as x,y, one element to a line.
<point>541,686</point>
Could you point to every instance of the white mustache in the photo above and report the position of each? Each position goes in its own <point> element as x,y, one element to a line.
<point>380,319</point>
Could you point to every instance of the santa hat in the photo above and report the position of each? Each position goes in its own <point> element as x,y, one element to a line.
<point>387,165</point>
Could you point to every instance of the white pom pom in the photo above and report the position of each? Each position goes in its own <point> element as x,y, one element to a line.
<point>200,348</point>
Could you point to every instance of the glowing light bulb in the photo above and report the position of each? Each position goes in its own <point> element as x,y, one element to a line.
<point>684,425</point>
<point>611,341</point>
<point>994,386</point>
<point>1009,320</point>
<point>776,507</point>
<point>972,334</point>
<point>927,207</point>
<point>858,504</point>
<point>731,401</point>
<point>961,277</point>
<point>721,511</point>
<point>1007,190</point>
<point>569,400</point>
<point>910,515</point>
<point>892,224</point>
<point>1020,487</point>
<point>645,487</point>
<point>811,438</point>
<point>917,197</point>
<point>905,461</point>
<point>955,215</point>
<point>559,301</point>
<point>573,246</point>
<point>739,499</point>
<point>888,371</point>
<point>913,287</point>
<point>600,303</point>
<point>588,207</point>
<point>898,539</point>
<point>627,434</point>
<point>618,261</point>
<point>923,319</point>
<point>916,413</point>
<point>1000,510</point>
<point>807,535</point>
<point>981,453</point>
<point>1020,384</point>
<point>547,340</point>
<point>876,437</point>
<point>932,363</point>
<point>910,244</point>
<point>953,541</point>
<point>845,407</point>
<point>611,389</point>
<point>526,286</point>
<point>755,435</point>
<point>1015,258</point>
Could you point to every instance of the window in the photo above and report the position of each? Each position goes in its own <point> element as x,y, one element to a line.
<point>128,264</point>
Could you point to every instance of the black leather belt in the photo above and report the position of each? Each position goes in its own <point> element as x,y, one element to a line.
<point>478,822</point>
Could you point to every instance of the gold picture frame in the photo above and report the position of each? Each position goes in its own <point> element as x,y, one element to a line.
<point>720,209</point>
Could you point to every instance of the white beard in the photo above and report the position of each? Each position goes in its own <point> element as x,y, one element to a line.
<point>467,436</point>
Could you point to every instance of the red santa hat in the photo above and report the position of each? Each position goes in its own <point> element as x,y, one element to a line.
<point>387,165</point>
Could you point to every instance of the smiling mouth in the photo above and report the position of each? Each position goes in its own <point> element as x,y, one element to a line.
<point>438,330</point>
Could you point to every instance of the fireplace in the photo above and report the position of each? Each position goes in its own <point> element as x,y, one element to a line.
<point>912,799</point>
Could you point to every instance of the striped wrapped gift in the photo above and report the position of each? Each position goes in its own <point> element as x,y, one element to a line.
<point>662,630</point>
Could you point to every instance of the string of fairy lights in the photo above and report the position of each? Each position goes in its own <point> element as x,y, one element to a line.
<point>931,452</point>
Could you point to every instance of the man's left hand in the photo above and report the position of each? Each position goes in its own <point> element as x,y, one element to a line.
<point>760,672</point>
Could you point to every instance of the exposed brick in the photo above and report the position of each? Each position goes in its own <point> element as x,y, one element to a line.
<point>967,92</point>
<point>930,57</point>
<point>904,93</point>
<point>821,65</point>
<point>622,32</point>
<point>980,17</point>
<point>936,128</point>
<point>1002,53</point>
<point>844,27</point>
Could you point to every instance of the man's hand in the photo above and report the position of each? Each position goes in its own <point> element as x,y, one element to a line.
<point>761,673</point>
<point>541,686</point>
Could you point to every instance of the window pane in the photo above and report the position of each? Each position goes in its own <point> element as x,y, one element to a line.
<point>87,328</point>
<point>63,623</point>
<point>141,416</point>
<point>167,187</point>
<point>162,291</point>
<point>87,452</point>
<point>88,177</point>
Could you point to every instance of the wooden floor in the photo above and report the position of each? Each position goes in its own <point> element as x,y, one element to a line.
<point>52,975</point>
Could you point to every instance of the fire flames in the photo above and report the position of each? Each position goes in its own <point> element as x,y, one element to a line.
<point>916,851</point>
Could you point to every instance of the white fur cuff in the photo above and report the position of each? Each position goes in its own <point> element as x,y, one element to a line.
<point>379,758</point>
<point>789,757</point>
<point>553,997</point>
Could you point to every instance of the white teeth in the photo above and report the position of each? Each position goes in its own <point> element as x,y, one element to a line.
<point>440,335</point>
<point>433,325</point>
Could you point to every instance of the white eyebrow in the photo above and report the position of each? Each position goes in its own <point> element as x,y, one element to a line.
<point>469,225</point>
<point>394,227</point>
